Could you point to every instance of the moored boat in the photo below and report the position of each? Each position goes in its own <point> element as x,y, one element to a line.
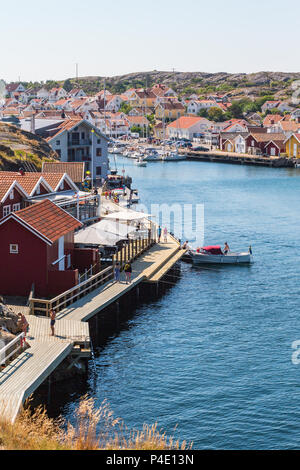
<point>140,162</point>
<point>215,255</point>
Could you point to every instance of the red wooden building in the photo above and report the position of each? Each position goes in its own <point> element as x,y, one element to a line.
<point>270,144</point>
<point>16,187</point>
<point>37,246</point>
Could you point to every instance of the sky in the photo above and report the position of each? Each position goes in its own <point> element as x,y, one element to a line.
<point>45,40</point>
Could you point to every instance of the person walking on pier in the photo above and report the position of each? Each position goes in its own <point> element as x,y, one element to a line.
<point>117,272</point>
<point>128,271</point>
<point>52,321</point>
<point>165,234</point>
<point>159,233</point>
<point>25,327</point>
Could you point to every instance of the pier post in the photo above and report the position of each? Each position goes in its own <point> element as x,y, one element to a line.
<point>49,390</point>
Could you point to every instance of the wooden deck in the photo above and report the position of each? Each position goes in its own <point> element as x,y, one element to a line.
<point>21,378</point>
<point>151,266</point>
<point>29,370</point>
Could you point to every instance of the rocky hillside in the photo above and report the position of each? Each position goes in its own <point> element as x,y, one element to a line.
<point>253,84</point>
<point>22,149</point>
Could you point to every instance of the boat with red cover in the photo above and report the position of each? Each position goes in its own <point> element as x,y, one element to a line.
<point>214,254</point>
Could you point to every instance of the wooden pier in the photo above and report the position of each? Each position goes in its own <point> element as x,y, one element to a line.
<point>219,156</point>
<point>30,369</point>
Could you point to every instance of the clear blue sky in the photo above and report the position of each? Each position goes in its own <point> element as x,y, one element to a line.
<point>44,40</point>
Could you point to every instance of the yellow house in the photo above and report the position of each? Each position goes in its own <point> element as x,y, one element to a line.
<point>292,146</point>
<point>169,110</point>
<point>142,99</point>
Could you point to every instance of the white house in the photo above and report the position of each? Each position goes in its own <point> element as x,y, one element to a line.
<point>77,140</point>
<point>12,88</point>
<point>195,106</point>
<point>43,94</point>
<point>296,114</point>
<point>76,93</point>
<point>57,94</point>
<point>268,105</point>
<point>188,127</point>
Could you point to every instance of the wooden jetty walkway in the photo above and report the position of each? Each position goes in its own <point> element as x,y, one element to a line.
<point>151,266</point>
<point>29,370</point>
<point>219,156</point>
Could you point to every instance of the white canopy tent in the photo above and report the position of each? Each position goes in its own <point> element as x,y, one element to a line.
<point>105,232</point>
<point>127,215</point>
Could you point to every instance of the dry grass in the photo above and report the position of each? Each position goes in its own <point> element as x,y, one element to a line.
<point>94,429</point>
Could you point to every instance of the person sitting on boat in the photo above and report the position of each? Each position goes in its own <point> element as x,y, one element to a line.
<point>226,248</point>
<point>185,245</point>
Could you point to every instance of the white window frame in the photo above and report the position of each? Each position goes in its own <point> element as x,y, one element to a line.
<point>11,194</point>
<point>16,207</point>
<point>14,249</point>
<point>6,210</point>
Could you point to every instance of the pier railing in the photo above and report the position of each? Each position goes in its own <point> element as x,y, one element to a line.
<point>131,251</point>
<point>11,348</point>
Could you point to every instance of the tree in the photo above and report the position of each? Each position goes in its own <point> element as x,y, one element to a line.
<point>202,113</point>
<point>125,107</point>
<point>215,114</point>
<point>236,110</point>
<point>67,85</point>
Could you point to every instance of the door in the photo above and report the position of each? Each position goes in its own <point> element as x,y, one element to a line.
<point>295,150</point>
<point>61,252</point>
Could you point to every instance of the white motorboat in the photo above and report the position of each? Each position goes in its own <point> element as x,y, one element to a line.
<point>152,155</point>
<point>172,157</point>
<point>140,162</point>
<point>215,255</point>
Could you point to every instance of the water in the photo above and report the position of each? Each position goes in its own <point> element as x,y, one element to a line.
<point>213,356</point>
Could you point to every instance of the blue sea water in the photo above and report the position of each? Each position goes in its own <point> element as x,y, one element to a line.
<point>212,357</point>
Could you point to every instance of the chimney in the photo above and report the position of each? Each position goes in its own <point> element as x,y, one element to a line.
<point>32,124</point>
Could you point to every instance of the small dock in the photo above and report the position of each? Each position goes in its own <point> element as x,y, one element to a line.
<point>218,156</point>
<point>149,267</point>
<point>29,370</point>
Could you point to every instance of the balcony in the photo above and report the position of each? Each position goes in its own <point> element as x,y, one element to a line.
<point>79,142</point>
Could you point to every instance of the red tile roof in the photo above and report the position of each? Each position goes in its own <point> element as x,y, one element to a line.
<point>74,169</point>
<point>184,122</point>
<point>272,119</point>
<point>48,220</point>
<point>27,181</point>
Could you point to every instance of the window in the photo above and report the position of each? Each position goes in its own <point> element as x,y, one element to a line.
<point>14,248</point>
<point>82,135</point>
<point>69,260</point>
<point>98,170</point>
<point>11,194</point>
<point>6,210</point>
<point>98,152</point>
<point>98,141</point>
<point>16,207</point>
<point>58,142</point>
<point>38,190</point>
